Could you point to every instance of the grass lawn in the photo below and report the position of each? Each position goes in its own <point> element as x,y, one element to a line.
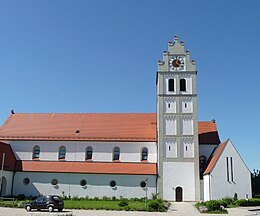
<point>101,204</point>
<point>85,204</point>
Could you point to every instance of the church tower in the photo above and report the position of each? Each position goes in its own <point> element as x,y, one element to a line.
<point>177,125</point>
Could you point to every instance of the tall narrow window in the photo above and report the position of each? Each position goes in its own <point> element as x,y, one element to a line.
<point>203,161</point>
<point>171,85</point>
<point>227,169</point>
<point>116,153</point>
<point>36,152</point>
<point>62,152</point>
<point>89,152</point>
<point>182,85</point>
<point>144,154</point>
<point>231,165</point>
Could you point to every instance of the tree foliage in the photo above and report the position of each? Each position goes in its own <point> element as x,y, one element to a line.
<point>255,183</point>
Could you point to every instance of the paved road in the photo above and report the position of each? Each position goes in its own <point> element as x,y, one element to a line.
<point>176,209</point>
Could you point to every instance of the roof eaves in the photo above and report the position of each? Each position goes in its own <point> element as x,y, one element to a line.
<point>216,157</point>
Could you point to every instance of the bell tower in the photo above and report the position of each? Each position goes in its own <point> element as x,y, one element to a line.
<point>177,125</point>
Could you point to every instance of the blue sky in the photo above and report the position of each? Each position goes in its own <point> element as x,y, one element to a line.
<point>101,56</point>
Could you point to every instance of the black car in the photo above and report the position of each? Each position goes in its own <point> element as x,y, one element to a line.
<point>49,202</point>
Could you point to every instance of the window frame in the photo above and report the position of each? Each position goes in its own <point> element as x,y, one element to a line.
<point>112,185</point>
<point>171,86</point>
<point>83,182</point>
<point>26,181</point>
<point>116,157</point>
<point>89,149</point>
<point>64,153</point>
<point>53,181</point>
<point>142,154</point>
<point>143,184</point>
<point>34,154</point>
<point>183,85</point>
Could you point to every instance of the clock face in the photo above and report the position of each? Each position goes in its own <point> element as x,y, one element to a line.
<point>176,63</point>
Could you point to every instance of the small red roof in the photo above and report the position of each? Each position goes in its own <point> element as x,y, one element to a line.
<point>92,126</point>
<point>208,133</point>
<point>87,167</point>
<point>215,158</point>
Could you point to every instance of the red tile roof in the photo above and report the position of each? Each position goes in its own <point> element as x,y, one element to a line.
<point>56,126</point>
<point>9,162</point>
<point>87,167</point>
<point>215,158</point>
<point>95,126</point>
<point>208,133</point>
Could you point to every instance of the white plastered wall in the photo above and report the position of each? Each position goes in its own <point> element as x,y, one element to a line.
<point>97,185</point>
<point>75,151</point>
<point>186,105</point>
<point>170,125</point>
<point>170,148</point>
<point>170,105</point>
<point>178,174</point>
<point>187,147</point>
<point>8,175</point>
<point>220,187</point>
<point>186,125</point>
<point>188,84</point>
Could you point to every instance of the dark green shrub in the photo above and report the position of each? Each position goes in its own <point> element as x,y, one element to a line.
<point>127,208</point>
<point>235,196</point>
<point>113,198</point>
<point>155,196</point>
<point>105,198</point>
<point>223,203</point>
<point>228,200</point>
<point>249,202</point>
<point>75,198</point>
<point>156,205</point>
<point>96,198</point>
<point>21,197</point>
<point>213,205</point>
<point>123,202</point>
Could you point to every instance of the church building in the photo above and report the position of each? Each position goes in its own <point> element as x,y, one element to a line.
<point>169,153</point>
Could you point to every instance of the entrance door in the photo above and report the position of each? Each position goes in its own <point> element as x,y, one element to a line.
<point>3,188</point>
<point>178,193</point>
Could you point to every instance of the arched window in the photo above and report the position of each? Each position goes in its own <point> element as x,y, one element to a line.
<point>171,85</point>
<point>62,152</point>
<point>144,154</point>
<point>36,152</point>
<point>182,85</point>
<point>116,153</point>
<point>89,152</point>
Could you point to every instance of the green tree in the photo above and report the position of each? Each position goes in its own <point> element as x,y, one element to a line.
<point>255,178</point>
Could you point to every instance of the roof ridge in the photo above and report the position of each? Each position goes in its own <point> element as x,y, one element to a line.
<point>80,113</point>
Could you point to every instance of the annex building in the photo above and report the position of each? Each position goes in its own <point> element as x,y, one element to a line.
<point>169,153</point>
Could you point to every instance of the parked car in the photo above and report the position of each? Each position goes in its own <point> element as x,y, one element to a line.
<point>49,202</point>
